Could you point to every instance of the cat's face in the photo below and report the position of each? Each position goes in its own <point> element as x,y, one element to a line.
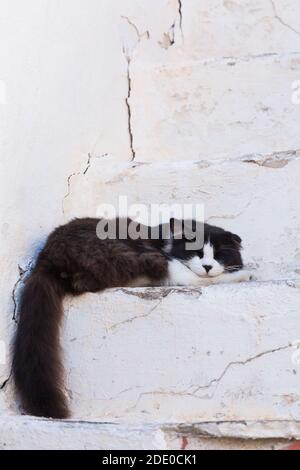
<point>212,260</point>
<point>220,253</point>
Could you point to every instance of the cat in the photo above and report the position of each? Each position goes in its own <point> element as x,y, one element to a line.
<point>75,260</point>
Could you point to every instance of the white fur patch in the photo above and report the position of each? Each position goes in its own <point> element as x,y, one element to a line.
<point>196,264</point>
<point>208,251</point>
<point>180,275</point>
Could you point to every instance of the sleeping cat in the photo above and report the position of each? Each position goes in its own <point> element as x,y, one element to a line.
<point>75,260</point>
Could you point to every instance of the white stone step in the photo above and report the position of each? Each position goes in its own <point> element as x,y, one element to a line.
<point>207,109</point>
<point>25,433</point>
<point>150,368</point>
<point>219,353</point>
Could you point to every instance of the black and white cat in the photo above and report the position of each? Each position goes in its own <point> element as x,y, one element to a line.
<point>75,260</point>
<point>217,261</point>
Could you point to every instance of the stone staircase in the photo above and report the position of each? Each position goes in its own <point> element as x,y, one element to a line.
<point>180,368</point>
<point>194,115</point>
<point>215,367</point>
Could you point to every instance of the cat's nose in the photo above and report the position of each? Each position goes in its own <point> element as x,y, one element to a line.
<point>207,267</point>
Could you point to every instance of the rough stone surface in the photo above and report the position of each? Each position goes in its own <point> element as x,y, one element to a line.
<point>228,98</point>
<point>225,351</point>
<point>180,355</point>
<point>186,102</point>
<point>24,433</point>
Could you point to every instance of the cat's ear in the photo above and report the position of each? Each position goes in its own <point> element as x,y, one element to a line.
<point>235,239</point>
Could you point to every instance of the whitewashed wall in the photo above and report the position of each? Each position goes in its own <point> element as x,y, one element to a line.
<point>161,101</point>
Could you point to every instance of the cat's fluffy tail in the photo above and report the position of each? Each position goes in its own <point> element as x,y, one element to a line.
<point>37,368</point>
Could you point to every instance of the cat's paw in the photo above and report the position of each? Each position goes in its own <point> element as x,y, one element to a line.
<point>245,276</point>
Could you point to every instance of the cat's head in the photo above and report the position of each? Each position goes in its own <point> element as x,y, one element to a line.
<point>218,251</point>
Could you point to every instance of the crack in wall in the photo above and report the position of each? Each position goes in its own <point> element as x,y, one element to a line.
<point>6,382</point>
<point>140,36</point>
<point>280,20</point>
<point>215,381</point>
<point>168,38</point>
<point>14,296</point>
<point>128,59</point>
<point>68,190</point>
<point>88,164</point>
<point>78,173</point>
<point>180,15</point>
<point>127,101</point>
<point>118,394</point>
<point>145,315</point>
<point>230,216</point>
<point>22,274</point>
